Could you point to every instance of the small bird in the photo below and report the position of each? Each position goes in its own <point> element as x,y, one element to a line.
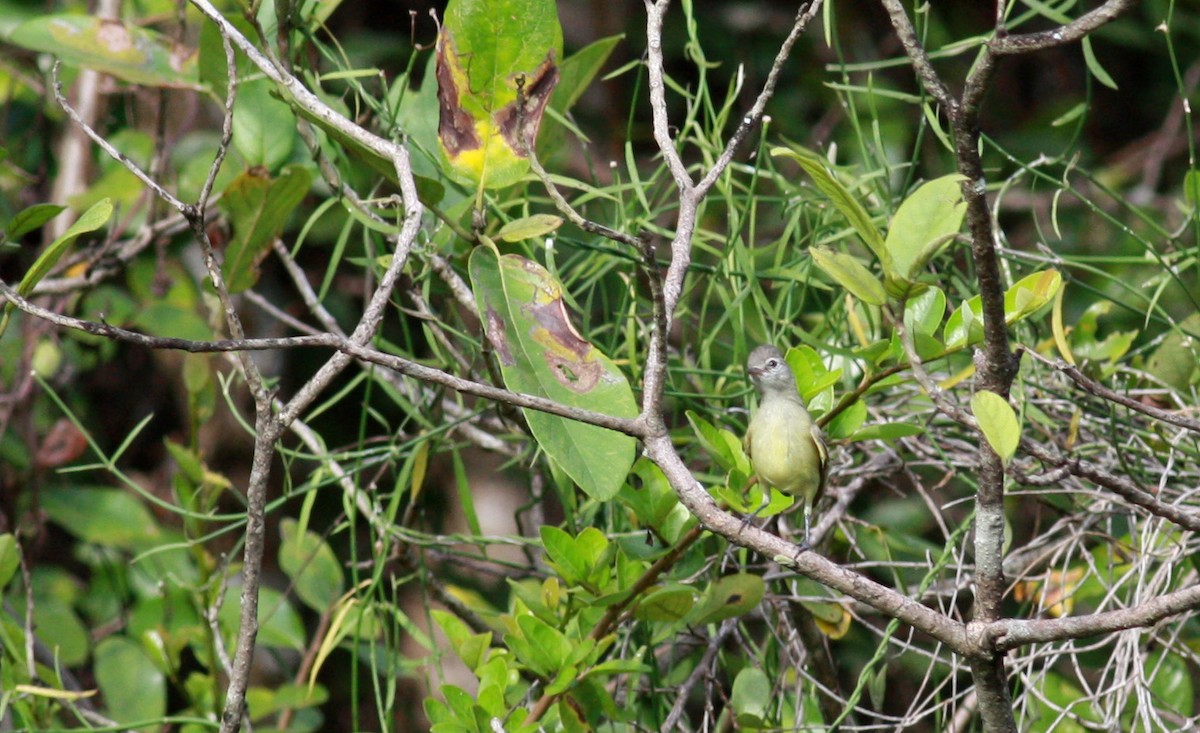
<point>784,444</point>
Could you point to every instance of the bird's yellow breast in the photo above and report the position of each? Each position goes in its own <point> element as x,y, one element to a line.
<point>783,449</point>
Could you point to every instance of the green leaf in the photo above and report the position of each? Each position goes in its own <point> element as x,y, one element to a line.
<point>111,46</point>
<point>30,218</point>
<point>546,648</point>
<point>529,227</point>
<point>732,595</point>
<point>579,69</point>
<point>311,565</point>
<point>851,274</point>
<point>668,604</point>
<point>1170,682</point>
<point>92,219</point>
<point>470,647</point>
<point>654,503</point>
<point>1093,64</point>
<point>925,222</point>
<point>108,517</point>
<point>721,444</point>
<point>525,318</point>
<point>58,624</point>
<point>264,128</point>
<point>279,625</point>
<point>10,558</point>
<point>1030,294</point>
<point>575,558</point>
<point>751,697</point>
<point>1176,361</point>
<point>848,421</point>
<point>497,65</point>
<point>817,169</point>
<point>1191,188</point>
<point>887,431</point>
<point>134,689</point>
<point>998,423</point>
<point>258,208</point>
<point>923,313</point>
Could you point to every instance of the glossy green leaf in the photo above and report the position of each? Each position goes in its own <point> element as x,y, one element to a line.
<point>851,274</point>
<point>109,517</point>
<point>965,325</point>
<point>529,227</point>
<point>928,219</point>
<point>497,65</point>
<point>751,697</point>
<point>264,128</point>
<point>817,169</point>
<point>134,689</point>
<point>313,568</point>
<point>998,422</point>
<point>813,378</point>
<point>258,207</point>
<point>29,219</point>
<point>732,595</point>
<point>525,318</point>
<point>130,53</point>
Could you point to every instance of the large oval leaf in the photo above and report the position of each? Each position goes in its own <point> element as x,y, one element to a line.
<point>127,52</point>
<point>497,64</point>
<point>540,353</point>
<point>923,224</point>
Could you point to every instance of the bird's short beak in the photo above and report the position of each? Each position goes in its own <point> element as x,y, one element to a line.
<point>755,371</point>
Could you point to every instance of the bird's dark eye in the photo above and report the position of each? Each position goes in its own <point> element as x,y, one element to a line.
<point>772,363</point>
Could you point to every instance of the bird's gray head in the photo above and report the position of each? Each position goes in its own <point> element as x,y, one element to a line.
<point>770,372</point>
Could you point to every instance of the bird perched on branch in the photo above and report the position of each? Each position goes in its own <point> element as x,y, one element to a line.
<point>784,444</point>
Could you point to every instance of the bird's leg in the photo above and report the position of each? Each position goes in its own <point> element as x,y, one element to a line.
<point>766,502</point>
<point>805,545</point>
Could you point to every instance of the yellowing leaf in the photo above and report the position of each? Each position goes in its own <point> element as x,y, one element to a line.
<point>850,274</point>
<point>998,423</point>
<point>497,65</point>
